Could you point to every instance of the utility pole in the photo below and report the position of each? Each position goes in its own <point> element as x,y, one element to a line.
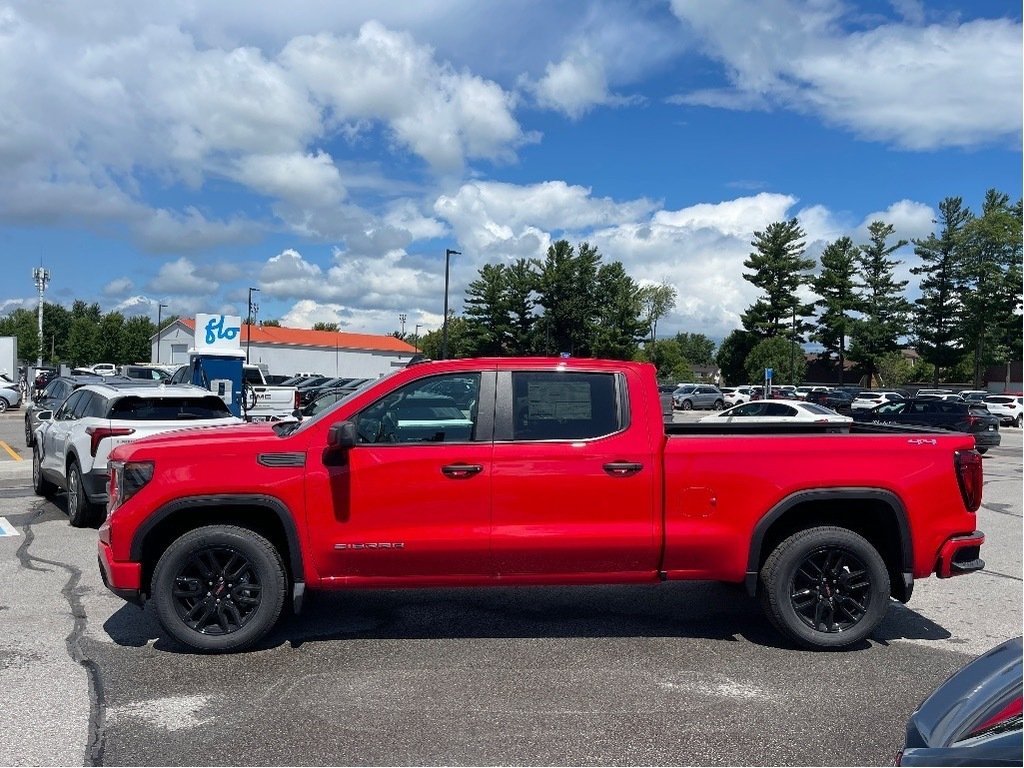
<point>401,319</point>
<point>448,252</point>
<point>159,308</point>
<point>42,279</point>
<point>416,338</point>
<point>253,309</point>
<point>792,350</point>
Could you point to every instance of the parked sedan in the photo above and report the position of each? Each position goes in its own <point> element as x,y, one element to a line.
<point>974,718</point>
<point>10,395</point>
<point>696,396</point>
<point>972,418</point>
<point>1008,408</point>
<point>776,411</point>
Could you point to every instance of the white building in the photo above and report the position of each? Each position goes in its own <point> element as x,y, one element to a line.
<point>288,351</point>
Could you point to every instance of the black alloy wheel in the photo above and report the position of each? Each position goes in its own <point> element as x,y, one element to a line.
<point>81,512</point>
<point>831,590</point>
<point>825,588</point>
<point>219,588</point>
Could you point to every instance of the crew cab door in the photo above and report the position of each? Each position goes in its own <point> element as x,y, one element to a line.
<point>574,476</point>
<point>412,498</point>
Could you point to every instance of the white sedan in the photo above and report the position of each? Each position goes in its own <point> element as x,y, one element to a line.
<point>778,411</point>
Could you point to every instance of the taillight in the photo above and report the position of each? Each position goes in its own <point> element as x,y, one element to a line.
<point>126,479</point>
<point>96,434</point>
<point>969,477</point>
<point>297,400</point>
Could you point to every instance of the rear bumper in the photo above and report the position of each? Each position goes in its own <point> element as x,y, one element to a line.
<point>987,439</point>
<point>960,555</point>
<point>123,579</point>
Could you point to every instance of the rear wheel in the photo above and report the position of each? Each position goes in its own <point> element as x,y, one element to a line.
<point>719,405</point>
<point>982,451</point>
<point>28,433</point>
<point>825,588</point>
<point>81,512</point>
<point>219,588</point>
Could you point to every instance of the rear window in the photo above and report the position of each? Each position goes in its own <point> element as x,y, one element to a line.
<point>999,399</point>
<point>135,408</point>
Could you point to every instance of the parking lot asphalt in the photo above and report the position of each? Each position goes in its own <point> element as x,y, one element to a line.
<point>678,674</point>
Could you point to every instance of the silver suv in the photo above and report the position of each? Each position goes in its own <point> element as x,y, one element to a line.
<point>698,396</point>
<point>71,444</point>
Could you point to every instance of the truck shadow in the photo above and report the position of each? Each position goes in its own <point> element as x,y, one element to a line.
<point>695,610</point>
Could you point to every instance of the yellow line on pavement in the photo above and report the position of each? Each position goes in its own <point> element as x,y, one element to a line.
<point>11,451</point>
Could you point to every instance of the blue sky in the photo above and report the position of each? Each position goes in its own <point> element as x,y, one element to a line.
<point>327,154</point>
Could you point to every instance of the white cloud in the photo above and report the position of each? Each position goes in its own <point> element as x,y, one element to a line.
<point>118,287</point>
<point>296,177</point>
<point>380,75</point>
<point>918,87</point>
<point>179,277</point>
<point>575,84</point>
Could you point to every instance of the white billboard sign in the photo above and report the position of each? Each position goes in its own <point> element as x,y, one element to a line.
<point>218,333</point>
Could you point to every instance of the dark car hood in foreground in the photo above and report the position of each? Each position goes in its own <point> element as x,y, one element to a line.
<point>939,731</point>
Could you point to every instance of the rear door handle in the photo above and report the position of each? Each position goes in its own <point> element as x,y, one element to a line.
<point>459,471</point>
<point>622,468</point>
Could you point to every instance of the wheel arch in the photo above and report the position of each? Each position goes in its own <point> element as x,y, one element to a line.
<point>266,515</point>
<point>874,513</point>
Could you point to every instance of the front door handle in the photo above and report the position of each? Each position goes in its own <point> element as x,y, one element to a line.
<point>623,468</point>
<point>459,471</point>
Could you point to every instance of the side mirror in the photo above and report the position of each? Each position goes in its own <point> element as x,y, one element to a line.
<point>45,415</point>
<point>342,435</point>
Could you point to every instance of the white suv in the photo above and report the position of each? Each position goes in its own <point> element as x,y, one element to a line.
<point>73,442</point>
<point>1009,408</point>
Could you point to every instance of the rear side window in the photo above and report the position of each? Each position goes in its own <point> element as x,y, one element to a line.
<point>135,408</point>
<point>564,405</point>
<point>95,406</point>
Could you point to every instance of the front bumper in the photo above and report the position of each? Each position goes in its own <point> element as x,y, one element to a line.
<point>123,579</point>
<point>960,555</point>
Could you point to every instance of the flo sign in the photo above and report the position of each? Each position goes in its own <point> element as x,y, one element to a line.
<point>218,333</point>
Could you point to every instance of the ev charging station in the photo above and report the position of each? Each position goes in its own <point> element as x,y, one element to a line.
<point>216,363</point>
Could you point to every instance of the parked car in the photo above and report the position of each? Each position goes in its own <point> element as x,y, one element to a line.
<point>806,389</point>
<point>144,372</point>
<point>104,369</point>
<point>737,395</point>
<point>50,397</point>
<point>72,443</point>
<point>767,411</point>
<point>42,378</point>
<point>838,400</point>
<point>697,396</point>
<point>866,400</point>
<point>1008,408</point>
<point>961,417</point>
<point>10,395</point>
<point>665,398</point>
<point>973,394</point>
<point>974,718</point>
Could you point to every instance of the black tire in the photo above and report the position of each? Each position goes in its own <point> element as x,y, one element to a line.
<point>231,615</point>
<point>825,588</point>
<point>1018,421</point>
<point>29,437</point>
<point>982,451</point>
<point>81,512</point>
<point>719,405</point>
<point>40,484</point>
<point>4,405</point>
<point>687,405</point>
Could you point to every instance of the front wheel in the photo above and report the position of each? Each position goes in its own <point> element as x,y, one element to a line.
<point>28,433</point>
<point>687,405</point>
<point>40,484</point>
<point>825,588</point>
<point>219,588</point>
<point>4,405</point>
<point>1018,421</point>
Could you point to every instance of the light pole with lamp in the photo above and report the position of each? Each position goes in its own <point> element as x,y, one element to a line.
<point>248,325</point>
<point>448,252</point>
<point>416,338</point>
<point>159,308</point>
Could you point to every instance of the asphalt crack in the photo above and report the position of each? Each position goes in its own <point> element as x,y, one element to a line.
<point>74,642</point>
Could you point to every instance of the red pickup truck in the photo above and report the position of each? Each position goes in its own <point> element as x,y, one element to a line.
<point>532,471</point>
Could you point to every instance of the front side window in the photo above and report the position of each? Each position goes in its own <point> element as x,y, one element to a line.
<point>891,408</point>
<point>439,409</point>
<point>564,406</point>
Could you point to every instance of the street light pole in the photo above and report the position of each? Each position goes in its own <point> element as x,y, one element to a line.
<point>159,307</point>
<point>448,252</point>
<point>249,321</point>
<point>416,338</point>
<point>792,350</point>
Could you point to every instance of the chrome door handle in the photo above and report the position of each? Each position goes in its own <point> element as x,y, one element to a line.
<point>623,468</point>
<point>459,471</point>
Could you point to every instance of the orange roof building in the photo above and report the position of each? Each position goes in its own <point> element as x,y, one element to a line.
<point>292,350</point>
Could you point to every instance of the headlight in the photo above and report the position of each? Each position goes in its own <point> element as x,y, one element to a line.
<point>126,479</point>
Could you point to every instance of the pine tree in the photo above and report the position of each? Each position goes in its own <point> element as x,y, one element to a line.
<point>619,322</point>
<point>566,290</point>
<point>838,299</point>
<point>778,268</point>
<point>885,310</point>
<point>486,312</point>
<point>938,313</point>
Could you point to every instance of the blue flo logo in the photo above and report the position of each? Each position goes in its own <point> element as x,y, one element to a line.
<point>215,330</point>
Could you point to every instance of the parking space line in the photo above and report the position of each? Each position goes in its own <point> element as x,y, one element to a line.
<point>13,454</point>
<point>6,529</point>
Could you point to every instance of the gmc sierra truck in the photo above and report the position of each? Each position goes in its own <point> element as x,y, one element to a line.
<point>532,471</point>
